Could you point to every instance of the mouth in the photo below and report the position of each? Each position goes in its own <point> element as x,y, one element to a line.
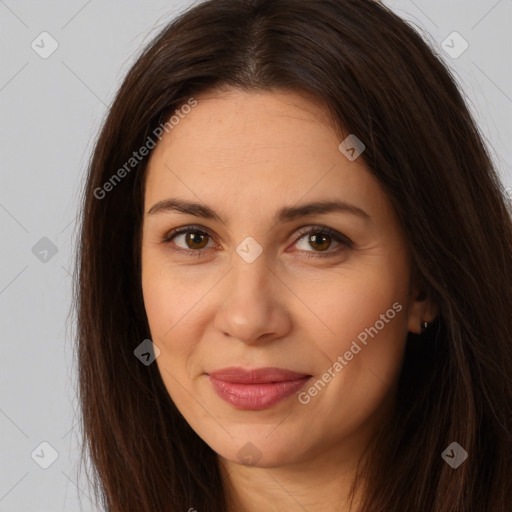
<point>258,388</point>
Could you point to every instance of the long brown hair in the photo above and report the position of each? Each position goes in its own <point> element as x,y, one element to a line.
<point>382,82</point>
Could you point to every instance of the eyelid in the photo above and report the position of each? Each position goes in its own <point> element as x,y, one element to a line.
<point>167,238</point>
<point>312,228</point>
<point>301,232</point>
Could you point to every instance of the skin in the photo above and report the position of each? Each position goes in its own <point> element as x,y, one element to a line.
<point>246,155</point>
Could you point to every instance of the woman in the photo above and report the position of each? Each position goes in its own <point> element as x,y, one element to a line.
<point>295,282</point>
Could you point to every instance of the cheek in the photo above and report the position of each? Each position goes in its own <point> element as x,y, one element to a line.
<point>159,302</point>
<point>166,312</point>
<point>357,299</point>
<point>164,304</point>
<point>367,312</point>
<point>170,300</point>
<point>175,307</point>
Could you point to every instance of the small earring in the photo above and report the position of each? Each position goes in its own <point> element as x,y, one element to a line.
<point>425,325</point>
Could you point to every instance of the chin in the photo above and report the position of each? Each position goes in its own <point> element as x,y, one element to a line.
<point>260,451</point>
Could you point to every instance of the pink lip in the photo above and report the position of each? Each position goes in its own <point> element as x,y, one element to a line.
<point>258,388</point>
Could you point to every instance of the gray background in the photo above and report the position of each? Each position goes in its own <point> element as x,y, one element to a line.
<point>51,110</point>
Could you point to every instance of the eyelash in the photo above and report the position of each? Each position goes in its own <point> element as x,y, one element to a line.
<point>345,242</point>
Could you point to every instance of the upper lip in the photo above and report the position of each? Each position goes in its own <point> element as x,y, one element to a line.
<point>256,375</point>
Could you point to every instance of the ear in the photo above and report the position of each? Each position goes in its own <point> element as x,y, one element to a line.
<point>421,309</point>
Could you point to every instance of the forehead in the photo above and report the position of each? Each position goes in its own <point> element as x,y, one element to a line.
<point>233,120</point>
<point>262,149</point>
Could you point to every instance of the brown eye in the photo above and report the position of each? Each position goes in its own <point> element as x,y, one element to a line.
<point>188,239</point>
<point>320,242</point>
<point>196,240</point>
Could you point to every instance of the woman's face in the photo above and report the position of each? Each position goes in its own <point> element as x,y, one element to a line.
<point>254,281</point>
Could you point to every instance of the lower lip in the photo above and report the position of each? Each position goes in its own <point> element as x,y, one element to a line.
<point>256,396</point>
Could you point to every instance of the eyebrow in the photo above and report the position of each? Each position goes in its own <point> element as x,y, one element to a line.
<point>285,214</point>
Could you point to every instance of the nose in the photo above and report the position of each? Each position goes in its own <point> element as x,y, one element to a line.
<point>253,303</point>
